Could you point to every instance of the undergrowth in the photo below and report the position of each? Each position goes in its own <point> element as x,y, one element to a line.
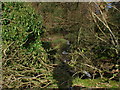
<point>24,59</point>
<point>32,57</point>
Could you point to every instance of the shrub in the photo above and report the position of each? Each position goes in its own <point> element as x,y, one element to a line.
<point>22,48</point>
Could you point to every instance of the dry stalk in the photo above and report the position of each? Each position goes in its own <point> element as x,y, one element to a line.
<point>4,51</point>
<point>98,25</point>
<point>106,25</point>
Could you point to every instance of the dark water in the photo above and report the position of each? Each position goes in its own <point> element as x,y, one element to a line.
<point>63,76</point>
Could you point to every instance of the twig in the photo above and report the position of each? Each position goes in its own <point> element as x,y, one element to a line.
<point>4,51</point>
<point>91,67</point>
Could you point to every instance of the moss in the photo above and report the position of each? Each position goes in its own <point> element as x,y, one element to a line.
<point>95,83</point>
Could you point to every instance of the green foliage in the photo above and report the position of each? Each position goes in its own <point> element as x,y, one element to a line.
<point>29,62</point>
<point>23,54</point>
<point>21,25</point>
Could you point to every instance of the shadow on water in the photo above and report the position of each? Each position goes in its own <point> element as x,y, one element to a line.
<point>61,72</point>
<point>62,75</point>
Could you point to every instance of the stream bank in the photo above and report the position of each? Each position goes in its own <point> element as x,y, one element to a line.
<point>81,33</point>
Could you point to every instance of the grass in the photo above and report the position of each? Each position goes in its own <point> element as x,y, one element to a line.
<point>95,83</point>
<point>91,83</point>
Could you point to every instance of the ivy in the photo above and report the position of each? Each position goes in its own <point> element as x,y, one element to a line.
<point>22,25</point>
